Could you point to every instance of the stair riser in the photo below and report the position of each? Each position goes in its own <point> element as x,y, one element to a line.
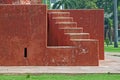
<point>60,15</point>
<point>66,25</point>
<point>63,39</point>
<point>79,36</point>
<point>64,20</point>
<point>73,30</point>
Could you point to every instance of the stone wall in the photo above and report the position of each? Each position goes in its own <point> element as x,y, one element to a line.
<point>22,31</point>
<point>24,34</point>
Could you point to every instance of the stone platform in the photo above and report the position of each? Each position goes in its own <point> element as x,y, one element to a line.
<point>110,65</point>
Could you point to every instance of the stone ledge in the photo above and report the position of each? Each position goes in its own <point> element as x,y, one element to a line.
<point>83,40</point>
<point>60,47</point>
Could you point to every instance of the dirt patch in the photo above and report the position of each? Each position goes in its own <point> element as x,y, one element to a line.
<point>116,55</point>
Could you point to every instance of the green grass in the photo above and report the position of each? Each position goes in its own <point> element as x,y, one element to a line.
<point>110,48</point>
<point>62,77</point>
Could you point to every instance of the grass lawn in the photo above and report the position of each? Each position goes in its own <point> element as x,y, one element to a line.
<point>110,48</point>
<point>62,77</point>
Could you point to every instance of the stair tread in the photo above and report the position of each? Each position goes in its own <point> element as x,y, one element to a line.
<point>59,12</point>
<point>77,33</point>
<point>72,28</point>
<point>66,23</point>
<point>60,47</point>
<point>83,39</point>
<point>62,18</point>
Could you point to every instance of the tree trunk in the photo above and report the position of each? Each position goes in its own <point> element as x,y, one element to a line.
<point>115,25</point>
<point>110,32</point>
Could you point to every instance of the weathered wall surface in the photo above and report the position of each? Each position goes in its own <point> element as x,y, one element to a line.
<point>23,40</point>
<point>22,26</point>
<point>92,22</point>
<point>5,1</point>
<point>73,56</point>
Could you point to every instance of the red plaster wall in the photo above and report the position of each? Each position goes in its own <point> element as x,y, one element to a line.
<point>92,22</point>
<point>73,56</point>
<point>88,57</point>
<point>22,26</point>
<point>59,56</point>
<point>6,1</point>
<point>25,26</point>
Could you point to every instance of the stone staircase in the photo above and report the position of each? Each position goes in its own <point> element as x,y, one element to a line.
<point>63,31</point>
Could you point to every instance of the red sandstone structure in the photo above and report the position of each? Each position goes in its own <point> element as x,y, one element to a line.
<point>31,35</point>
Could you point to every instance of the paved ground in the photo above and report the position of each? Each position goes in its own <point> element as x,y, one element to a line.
<point>110,64</point>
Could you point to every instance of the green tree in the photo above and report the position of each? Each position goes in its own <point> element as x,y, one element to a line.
<point>65,4</point>
<point>86,4</point>
<point>107,5</point>
<point>75,4</point>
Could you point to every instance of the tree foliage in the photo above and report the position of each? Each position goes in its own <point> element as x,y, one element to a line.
<point>86,4</point>
<point>65,4</point>
<point>107,5</point>
<point>75,4</point>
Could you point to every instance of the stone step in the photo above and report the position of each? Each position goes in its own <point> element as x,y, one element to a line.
<point>60,56</point>
<point>72,30</point>
<point>63,19</point>
<point>60,47</point>
<point>78,40</point>
<point>78,35</point>
<point>59,14</point>
<point>66,24</point>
